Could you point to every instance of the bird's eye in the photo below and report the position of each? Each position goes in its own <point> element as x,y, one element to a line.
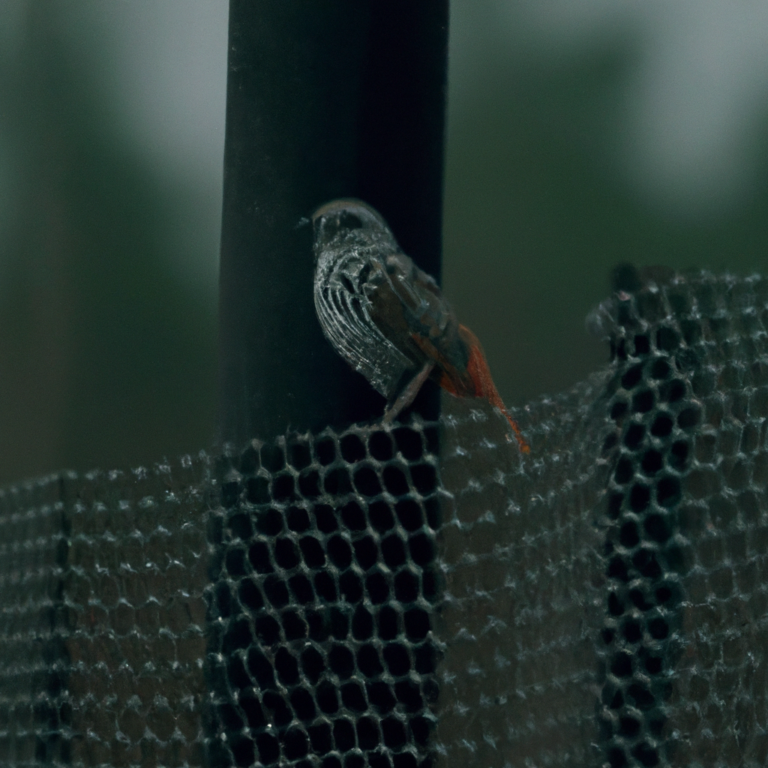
<point>329,228</point>
<point>350,220</point>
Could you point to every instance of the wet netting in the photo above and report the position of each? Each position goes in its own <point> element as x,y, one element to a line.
<point>421,595</point>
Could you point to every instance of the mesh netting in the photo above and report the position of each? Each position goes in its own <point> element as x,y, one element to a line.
<point>102,635</point>
<point>421,595</point>
<point>325,586</point>
<point>688,518</point>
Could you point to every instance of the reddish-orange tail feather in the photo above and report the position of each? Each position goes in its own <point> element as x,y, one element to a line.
<point>480,383</point>
<point>484,386</point>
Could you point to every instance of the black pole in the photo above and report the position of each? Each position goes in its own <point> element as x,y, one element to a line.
<point>340,98</point>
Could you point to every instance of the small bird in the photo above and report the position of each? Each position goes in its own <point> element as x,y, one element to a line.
<point>387,318</point>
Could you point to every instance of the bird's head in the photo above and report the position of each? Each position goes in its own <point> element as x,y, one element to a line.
<point>351,225</point>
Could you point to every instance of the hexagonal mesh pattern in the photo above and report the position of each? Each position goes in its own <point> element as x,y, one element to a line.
<point>685,635</point>
<point>654,412</point>
<point>324,589</point>
<point>521,551</point>
<point>32,660</point>
<point>102,637</point>
<point>423,595</point>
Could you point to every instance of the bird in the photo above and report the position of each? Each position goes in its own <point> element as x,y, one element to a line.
<point>387,318</point>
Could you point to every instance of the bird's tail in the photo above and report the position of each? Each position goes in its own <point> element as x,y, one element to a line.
<point>477,367</point>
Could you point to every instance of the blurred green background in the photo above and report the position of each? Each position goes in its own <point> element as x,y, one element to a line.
<point>581,133</point>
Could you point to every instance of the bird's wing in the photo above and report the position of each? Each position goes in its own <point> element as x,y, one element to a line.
<point>409,309</point>
<point>345,317</point>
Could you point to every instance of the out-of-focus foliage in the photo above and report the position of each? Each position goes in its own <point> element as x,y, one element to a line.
<point>107,358</point>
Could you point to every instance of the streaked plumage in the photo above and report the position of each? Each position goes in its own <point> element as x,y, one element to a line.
<point>386,317</point>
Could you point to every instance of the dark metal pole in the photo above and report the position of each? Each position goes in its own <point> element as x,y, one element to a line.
<point>340,98</point>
